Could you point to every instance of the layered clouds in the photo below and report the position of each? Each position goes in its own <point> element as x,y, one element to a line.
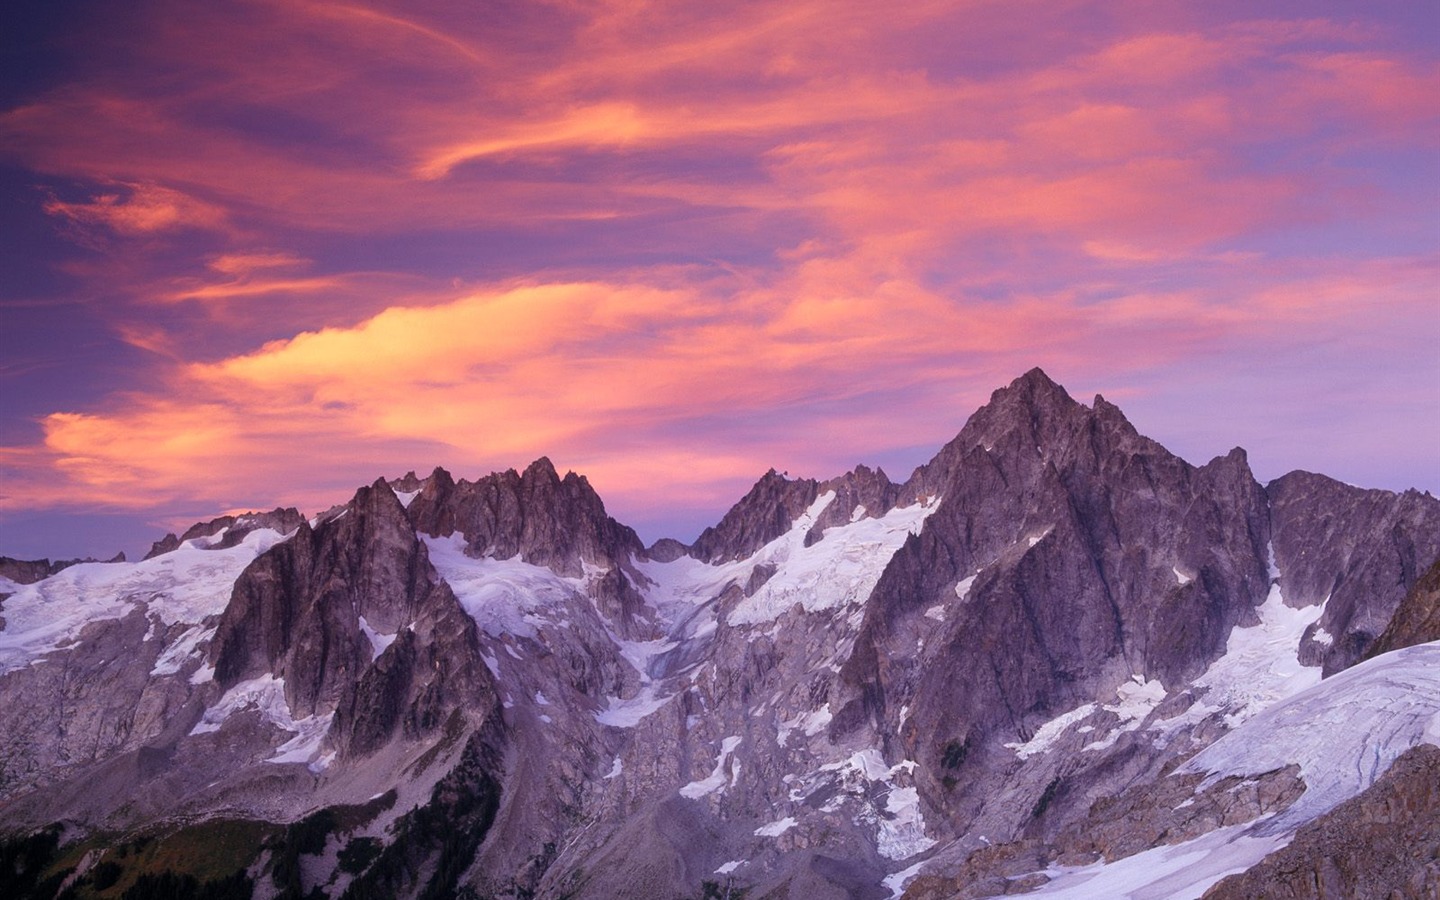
<point>671,245</point>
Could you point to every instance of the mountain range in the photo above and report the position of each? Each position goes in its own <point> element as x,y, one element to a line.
<point>1057,659</point>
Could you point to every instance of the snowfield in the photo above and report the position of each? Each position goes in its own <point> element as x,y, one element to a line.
<point>1344,732</point>
<point>185,585</point>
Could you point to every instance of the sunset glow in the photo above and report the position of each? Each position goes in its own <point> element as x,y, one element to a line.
<point>258,254</point>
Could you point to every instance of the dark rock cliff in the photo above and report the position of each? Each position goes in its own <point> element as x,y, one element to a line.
<point>1417,620</point>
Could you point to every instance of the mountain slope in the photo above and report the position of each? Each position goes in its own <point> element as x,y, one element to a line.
<point>1017,667</point>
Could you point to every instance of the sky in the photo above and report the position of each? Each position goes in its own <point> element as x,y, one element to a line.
<point>260,253</point>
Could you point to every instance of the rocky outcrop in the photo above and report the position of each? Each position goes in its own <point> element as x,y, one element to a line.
<point>536,515</point>
<point>862,493</point>
<point>772,505</point>
<point>1384,843</point>
<point>29,571</point>
<point>235,528</point>
<point>766,511</point>
<point>544,520</point>
<point>1357,551</point>
<point>356,622</point>
<point>1417,621</point>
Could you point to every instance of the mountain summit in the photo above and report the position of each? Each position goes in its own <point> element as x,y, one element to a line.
<point>1056,655</point>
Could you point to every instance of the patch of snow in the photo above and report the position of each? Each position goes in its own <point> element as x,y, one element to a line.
<point>205,673</point>
<point>776,828</point>
<point>266,695</point>
<point>640,654</point>
<point>615,769</point>
<point>1323,637</point>
<point>503,596</point>
<point>1134,701</point>
<point>730,866</point>
<point>858,512</point>
<point>183,586</point>
<point>1050,732</point>
<point>815,722</point>
<point>184,647</point>
<point>963,586</point>
<point>406,497</point>
<point>901,833</point>
<point>1177,872</point>
<point>1343,732</point>
<point>896,883</point>
<point>1261,665</point>
<point>378,642</point>
<point>628,713</point>
<point>839,571</point>
<point>546,719</point>
<point>540,699</point>
<point>717,780</point>
<point>1180,576</point>
<point>304,747</point>
<point>936,612</point>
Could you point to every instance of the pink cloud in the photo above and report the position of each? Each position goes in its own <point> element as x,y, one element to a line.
<point>1106,207</point>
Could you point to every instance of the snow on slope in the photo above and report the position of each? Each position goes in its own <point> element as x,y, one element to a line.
<point>840,570</point>
<point>1343,732</point>
<point>185,585</point>
<point>503,596</point>
<point>266,695</point>
<point>1176,872</point>
<point>1261,665</point>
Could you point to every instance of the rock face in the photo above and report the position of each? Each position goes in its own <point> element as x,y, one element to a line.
<point>1070,554</point>
<point>536,515</point>
<point>998,672</point>
<point>1354,550</point>
<point>775,502</point>
<point>355,622</point>
<point>1417,620</point>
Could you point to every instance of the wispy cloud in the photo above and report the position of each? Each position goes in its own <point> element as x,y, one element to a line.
<point>647,238</point>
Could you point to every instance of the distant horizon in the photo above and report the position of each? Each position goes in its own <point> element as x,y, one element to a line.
<point>686,531</point>
<point>256,254</point>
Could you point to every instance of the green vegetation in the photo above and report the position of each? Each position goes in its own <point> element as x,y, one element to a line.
<point>24,862</point>
<point>448,830</point>
<point>359,854</point>
<point>1046,797</point>
<point>955,753</point>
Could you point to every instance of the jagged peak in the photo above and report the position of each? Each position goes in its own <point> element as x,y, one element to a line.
<point>541,468</point>
<point>1035,384</point>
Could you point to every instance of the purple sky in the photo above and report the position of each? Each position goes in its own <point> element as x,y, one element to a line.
<point>258,253</point>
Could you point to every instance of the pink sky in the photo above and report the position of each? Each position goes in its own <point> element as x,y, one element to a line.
<point>263,252</point>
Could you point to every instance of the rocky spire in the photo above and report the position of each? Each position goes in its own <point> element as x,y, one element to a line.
<point>539,516</point>
<point>354,619</point>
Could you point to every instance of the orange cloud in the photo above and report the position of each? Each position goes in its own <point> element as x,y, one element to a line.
<point>843,210</point>
<point>138,209</point>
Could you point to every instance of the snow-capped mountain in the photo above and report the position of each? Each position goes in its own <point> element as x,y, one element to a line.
<point>1056,659</point>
